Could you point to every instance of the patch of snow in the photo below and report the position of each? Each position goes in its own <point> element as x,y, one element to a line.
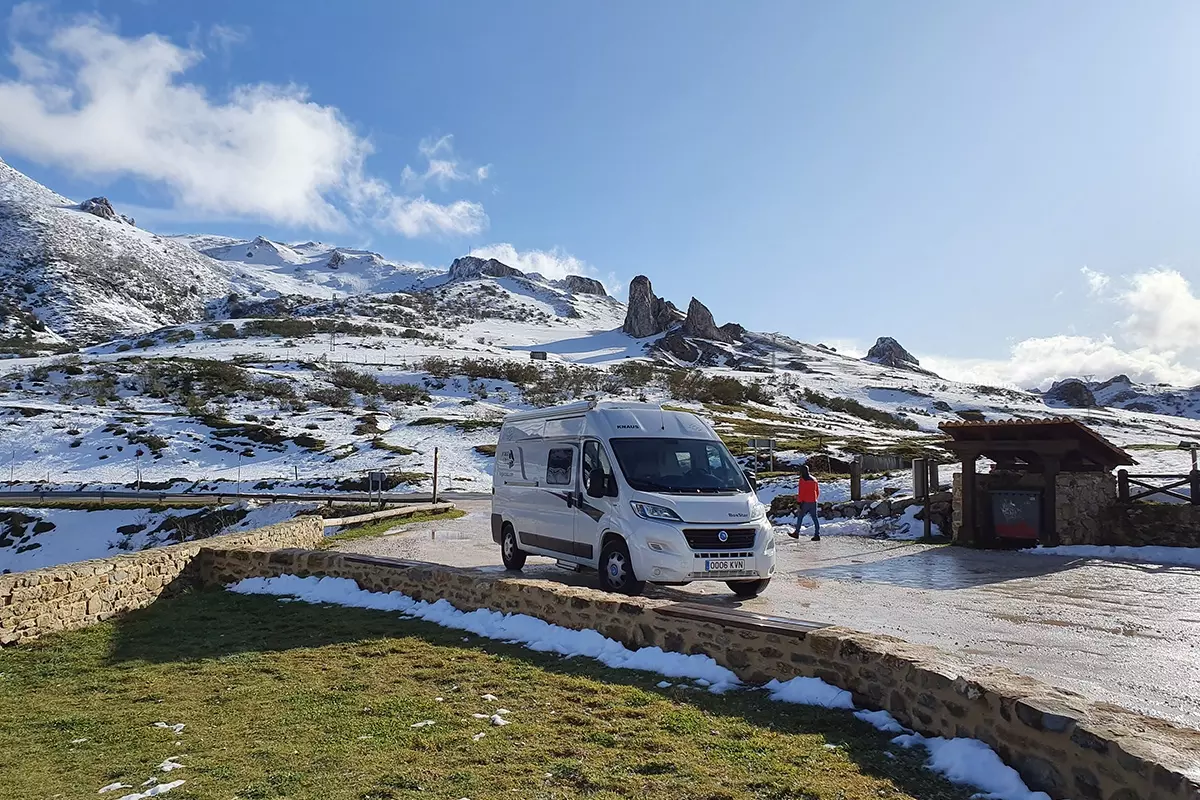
<point>170,764</point>
<point>960,760</point>
<point>970,761</point>
<point>176,728</point>
<point>882,720</point>
<point>479,736</point>
<point>498,720</point>
<point>112,787</point>
<point>1150,554</point>
<point>809,692</point>
<point>664,684</point>
<point>491,698</point>
<point>155,791</point>
<point>534,633</point>
<point>425,723</point>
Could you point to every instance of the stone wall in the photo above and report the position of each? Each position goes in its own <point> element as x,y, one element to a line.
<point>1082,500</point>
<point>1061,743</point>
<point>1140,524</point>
<point>76,595</point>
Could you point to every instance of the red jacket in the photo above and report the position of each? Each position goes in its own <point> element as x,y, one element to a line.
<point>808,492</point>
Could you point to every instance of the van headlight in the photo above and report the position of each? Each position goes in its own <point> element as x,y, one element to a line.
<point>656,513</point>
<point>757,511</point>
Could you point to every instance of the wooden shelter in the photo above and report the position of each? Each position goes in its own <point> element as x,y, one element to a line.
<point>1030,455</point>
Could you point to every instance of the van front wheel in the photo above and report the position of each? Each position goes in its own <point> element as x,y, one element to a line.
<point>616,569</point>
<point>748,588</point>
<point>510,551</point>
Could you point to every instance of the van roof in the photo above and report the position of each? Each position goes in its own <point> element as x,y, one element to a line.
<point>581,407</point>
<point>607,419</point>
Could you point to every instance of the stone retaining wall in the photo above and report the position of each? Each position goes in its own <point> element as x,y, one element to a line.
<point>1139,524</point>
<point>76,595</point>
<point>1061,743</point>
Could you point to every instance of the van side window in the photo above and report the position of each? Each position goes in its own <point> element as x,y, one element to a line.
<point>558,466</point>
<point>595,458</point>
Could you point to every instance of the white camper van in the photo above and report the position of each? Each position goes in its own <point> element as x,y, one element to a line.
<point>631,490</point>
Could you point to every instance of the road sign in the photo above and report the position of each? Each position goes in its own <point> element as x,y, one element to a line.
<point>770,443</point>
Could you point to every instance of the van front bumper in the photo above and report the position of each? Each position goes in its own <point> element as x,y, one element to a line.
<point>662,555</point>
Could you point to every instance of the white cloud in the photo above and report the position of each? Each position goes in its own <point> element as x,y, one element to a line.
<point>87,99</point>
<point>1097,281</point>
<point>554,264</point>
<point>1157,340</point>
<point>1164,312</point>
<point>224,38</point>
<point>442,166</point>
<point>417,216</point>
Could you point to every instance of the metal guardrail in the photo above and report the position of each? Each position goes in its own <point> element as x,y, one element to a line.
<point>220,498</point>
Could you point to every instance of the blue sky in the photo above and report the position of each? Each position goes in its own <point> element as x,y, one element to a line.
<point>940,172</point>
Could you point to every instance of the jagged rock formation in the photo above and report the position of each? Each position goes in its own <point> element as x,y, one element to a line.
<point>699,324</point>
<point>336,259</point>
<point>101,207</point>
<point>888,352</point>
<point>647,315</point>
<point>581,285</point>
<point>1072,393</point>
<point>469,267</point>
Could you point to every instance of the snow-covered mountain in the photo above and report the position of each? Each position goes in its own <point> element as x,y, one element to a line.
<point>69,276</point>
<point>311,364</point>
<point>1121,392</point>
<point>312,268</point>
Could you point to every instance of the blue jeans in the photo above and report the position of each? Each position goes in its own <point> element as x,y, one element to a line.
<point>807,510</point>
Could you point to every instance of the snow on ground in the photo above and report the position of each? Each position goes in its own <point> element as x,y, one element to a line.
<point>532,632</point>
<point>964,761</point>
<point>1168,556</point>
<point>33,538</point>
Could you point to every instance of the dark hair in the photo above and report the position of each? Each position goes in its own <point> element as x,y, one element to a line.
<point>805,475</point>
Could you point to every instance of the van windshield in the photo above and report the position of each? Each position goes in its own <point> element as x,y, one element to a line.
<point>683,466</point>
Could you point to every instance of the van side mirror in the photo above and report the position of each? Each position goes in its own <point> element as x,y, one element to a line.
<point>751,478</point>
<point>597,483</point>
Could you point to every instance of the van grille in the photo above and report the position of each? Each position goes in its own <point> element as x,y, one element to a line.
<point>738,539</point>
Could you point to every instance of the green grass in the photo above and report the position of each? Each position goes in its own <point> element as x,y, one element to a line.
<point>379,443</point>
<point>288,700</point>
<point>369,529</point>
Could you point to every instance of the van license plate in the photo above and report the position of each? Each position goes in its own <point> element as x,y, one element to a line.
<point>727,565</point>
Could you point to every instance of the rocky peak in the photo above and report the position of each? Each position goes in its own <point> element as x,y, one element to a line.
<point>699,324</point>
<point>1072,393</point>
<point>581,285</point>
<point>888,352</point>
<point>647,315</point>
<point>101,207</point>
<point>470,267</point>
<point>336,259</point>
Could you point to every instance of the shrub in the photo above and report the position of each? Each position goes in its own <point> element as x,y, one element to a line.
<point>331,396</point>
<point>403,393</point>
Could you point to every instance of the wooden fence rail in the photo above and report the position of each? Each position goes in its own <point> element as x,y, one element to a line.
<point>1144,488</point>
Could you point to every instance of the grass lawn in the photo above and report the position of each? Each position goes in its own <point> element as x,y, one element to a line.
<point>289,700</point>
<point>379,527</point>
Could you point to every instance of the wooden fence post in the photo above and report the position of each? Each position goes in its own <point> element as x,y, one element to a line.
<point>1123,485</point>
<point>855,478</point>
<point>1194,486</point>
<point>435,473</point>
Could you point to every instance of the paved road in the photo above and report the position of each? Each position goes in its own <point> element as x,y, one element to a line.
<point>1124,633</point>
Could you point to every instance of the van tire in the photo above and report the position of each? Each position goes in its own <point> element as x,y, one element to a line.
<point>616,569</point>
<point>748,588</point>
<point>510,551</point>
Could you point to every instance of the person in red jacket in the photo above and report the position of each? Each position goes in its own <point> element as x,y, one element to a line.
<point>806,503</point>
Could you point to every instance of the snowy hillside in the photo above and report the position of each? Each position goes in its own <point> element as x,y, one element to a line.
<point>70,276</point>
<point>1121,392</point>
<point>312,268</point>
<point>305,364</point>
